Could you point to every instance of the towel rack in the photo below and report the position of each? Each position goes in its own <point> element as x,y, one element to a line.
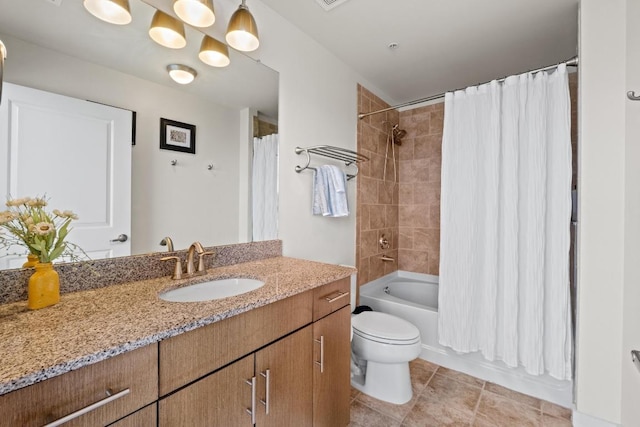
<point>347,156</point>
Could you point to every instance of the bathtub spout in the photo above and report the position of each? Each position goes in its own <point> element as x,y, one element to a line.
<point>386,258</point>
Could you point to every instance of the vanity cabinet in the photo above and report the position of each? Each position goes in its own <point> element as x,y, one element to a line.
<point>145,417</point>
<point>271,387</point>
<point>284,364</point>
<point>332,355</point>
<point>110,390</point>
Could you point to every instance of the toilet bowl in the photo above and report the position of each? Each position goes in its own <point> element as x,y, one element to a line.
<point>382,346</point>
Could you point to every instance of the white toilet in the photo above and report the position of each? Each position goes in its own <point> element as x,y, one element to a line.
<point>382,346</point>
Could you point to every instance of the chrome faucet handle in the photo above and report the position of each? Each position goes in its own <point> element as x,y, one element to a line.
<point>177,271</point>
<point>201,268</point>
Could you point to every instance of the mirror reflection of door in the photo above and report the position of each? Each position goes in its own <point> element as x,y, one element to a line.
<point>77,154</point>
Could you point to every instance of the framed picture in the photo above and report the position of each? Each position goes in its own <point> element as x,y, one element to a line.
<point>177,136</point>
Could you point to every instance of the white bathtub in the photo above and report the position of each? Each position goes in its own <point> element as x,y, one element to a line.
<point>414,297</point>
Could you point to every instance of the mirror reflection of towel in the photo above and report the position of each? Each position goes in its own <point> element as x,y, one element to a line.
<point>329,192</point>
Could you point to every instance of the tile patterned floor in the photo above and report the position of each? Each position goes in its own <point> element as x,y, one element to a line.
<point>443,397</point>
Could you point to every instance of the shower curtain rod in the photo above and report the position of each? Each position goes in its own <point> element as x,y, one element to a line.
<point>573,62</point>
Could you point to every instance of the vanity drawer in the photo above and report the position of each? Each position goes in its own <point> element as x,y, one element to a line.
<point>331,297</point>
<point>131,378</point>
<point>194,354</point>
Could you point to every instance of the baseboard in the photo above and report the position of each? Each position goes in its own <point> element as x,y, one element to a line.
<point>580,419</point>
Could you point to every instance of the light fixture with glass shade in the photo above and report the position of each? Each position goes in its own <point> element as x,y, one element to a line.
<point>181,73</point>
<point>214,52</point>
<point>198,13</point>
<point>167,31</point>
<point>242,32</point>
<point>111,11</point>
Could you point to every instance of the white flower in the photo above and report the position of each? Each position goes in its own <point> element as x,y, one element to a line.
<point>7,216</point>
<point>69,214</point>
<point>18,202</point>
<point>37,203</point>
<point>43,228</point>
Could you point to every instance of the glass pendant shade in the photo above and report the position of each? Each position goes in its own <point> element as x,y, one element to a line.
<point>111,11</point>
<point>242,32</point>
<point>198,13</point>
<point>181,73</point>
<point>167,31</point>
<point>214,53</point>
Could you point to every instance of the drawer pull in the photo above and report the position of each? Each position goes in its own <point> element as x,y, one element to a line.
<point>110,398</point>
<point>321,362</point>
<point>265,402</point>
<point>339,295</point>
<point>252,411</point>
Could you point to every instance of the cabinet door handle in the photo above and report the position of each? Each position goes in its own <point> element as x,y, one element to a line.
<point>252,411</point>
<point>321,362</point>
<point>110,398</point>
<point>339,295</point>
<point>265,402</point>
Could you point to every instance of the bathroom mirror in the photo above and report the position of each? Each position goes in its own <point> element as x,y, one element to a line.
<point>59,47</point>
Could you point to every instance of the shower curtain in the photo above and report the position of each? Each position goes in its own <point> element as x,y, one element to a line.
<point>505,215</point>
<point>264,188</point>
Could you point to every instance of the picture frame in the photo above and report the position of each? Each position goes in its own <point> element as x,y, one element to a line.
<point>177,136</point>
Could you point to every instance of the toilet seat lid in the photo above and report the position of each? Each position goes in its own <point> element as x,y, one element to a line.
<point>385,326</point>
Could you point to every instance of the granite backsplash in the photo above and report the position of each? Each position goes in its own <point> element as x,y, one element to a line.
<point>78,276</point>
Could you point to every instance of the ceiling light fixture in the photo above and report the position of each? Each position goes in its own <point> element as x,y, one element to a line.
<point>181,73</point>
<point>214,52</point>
<point>242,32</point>
<point>167,31</point>
<point>111,11</point>
<point>198,13</point>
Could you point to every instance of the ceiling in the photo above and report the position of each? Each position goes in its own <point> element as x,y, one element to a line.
<point>442,44</point>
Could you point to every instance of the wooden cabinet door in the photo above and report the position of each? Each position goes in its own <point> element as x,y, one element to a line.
<point>145,417</point>
<point>331,372</point>
<point>290,379</point>
<point>220,399</point>
<point>113,387</point>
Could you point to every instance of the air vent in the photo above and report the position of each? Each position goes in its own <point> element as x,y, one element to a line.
<point>330,4</point>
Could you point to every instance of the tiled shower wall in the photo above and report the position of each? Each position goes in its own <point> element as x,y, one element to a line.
<point>408,211</point>
<point>419,189</point>
<point>377,192</point>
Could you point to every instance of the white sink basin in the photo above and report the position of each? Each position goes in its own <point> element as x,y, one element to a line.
<point>213,289</point>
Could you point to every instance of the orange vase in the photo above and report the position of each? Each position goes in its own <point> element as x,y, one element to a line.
<point>44,287</point>
<point>32,260</point>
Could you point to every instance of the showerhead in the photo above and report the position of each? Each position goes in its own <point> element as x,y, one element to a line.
<point>398,134</point>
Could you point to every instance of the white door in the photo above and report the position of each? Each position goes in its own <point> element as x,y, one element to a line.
<point>77,154</point>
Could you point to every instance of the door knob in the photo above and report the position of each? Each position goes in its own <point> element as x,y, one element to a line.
<point>121,238</point>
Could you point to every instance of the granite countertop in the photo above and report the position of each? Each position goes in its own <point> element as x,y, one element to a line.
<point>93,325</point>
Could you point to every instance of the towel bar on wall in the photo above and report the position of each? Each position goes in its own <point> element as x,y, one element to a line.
<point>347,156</point>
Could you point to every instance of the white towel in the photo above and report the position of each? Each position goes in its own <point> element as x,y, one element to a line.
<point>329,192</point>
